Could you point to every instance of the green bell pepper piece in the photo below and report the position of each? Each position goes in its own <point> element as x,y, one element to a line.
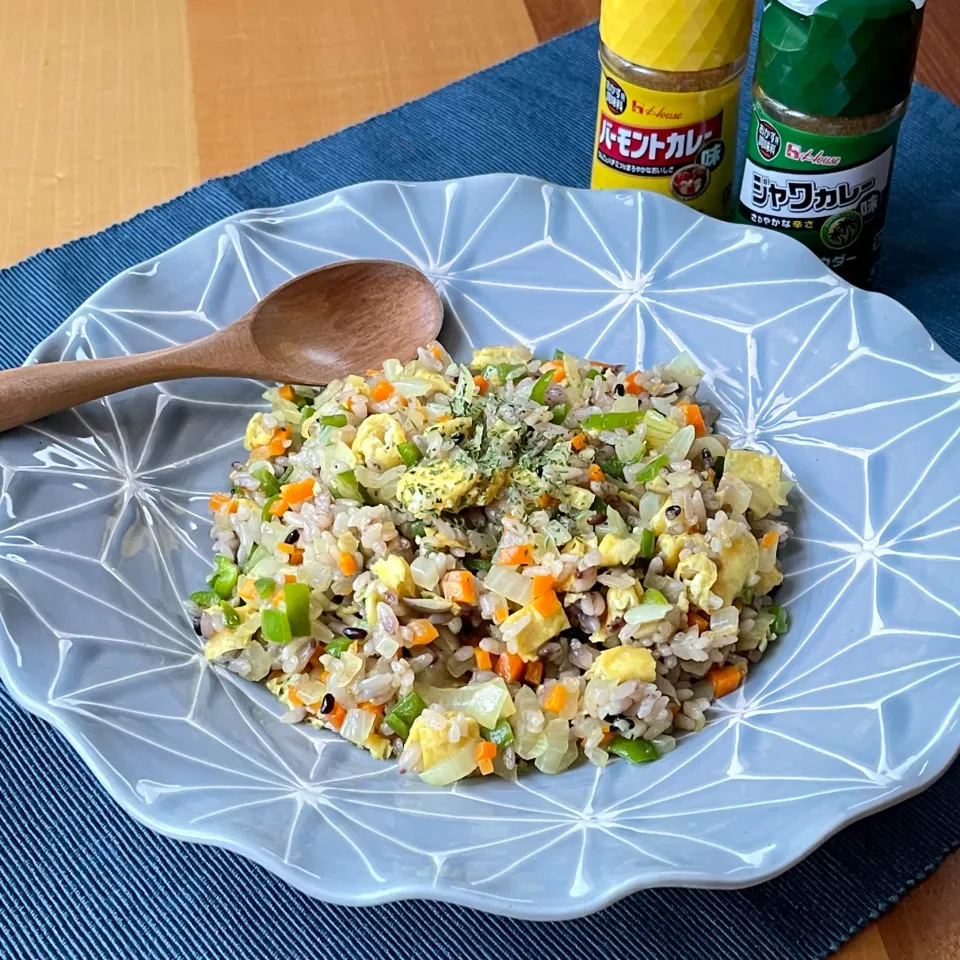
<point>275,626</point>
<point>409,453</point>
<point>405,711</point>
<point>650,471</point>
<point>636,751</point>
<point>539,392</point>
<point>296,598</point>
<point>268,480</point>
<point>613,420</point>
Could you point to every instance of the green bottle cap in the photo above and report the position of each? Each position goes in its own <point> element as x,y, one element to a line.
<point>838,58</point>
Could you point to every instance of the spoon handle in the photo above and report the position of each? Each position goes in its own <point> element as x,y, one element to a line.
<point>29,393</point>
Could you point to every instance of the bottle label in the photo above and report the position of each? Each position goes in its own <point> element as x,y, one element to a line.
<point>679,144</point>
<point>828,192</point>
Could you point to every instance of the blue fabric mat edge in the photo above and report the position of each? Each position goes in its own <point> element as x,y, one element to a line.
<point>80,879</point>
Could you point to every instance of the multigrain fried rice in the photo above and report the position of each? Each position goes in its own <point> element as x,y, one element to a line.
<point>476,568</point>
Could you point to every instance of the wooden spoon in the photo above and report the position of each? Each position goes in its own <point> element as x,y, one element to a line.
<point>343,318</point>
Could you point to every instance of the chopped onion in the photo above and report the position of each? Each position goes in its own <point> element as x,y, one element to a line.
<point>726,619</point>
<point>455,767</point>
<point>649,507</point>
<point>678,446</point>
<point>357,726</point>
<point>412,386</point>
<point>557,742</point>
<point>616,523</point>
<point>684,370</point>
<point>425,573</point>
<point>664,743</point>
<point>258,660</point>
<point>510,584</point>
<point>485,702</point>
<point>646,612</point>
<point>633,447</point>
<point>626,404</point>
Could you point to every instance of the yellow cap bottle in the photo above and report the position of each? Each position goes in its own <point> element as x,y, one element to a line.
<point>669,92</point>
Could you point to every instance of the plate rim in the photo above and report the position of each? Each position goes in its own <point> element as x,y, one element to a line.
<point>561,908</point>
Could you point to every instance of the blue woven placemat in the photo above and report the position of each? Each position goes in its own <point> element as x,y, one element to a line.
<point>79,879</point>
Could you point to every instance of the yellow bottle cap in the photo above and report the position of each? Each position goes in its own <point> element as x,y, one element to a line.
<point>677,35</point>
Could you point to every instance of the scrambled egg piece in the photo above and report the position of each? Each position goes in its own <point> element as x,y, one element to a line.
<point>738,563</point>
<point>257,435</point>
<point>764,475</point>
<point>767,582</point>
<point>448,428</point>
<point>358,383</point>
<point>377,440</point>
<point>618,551</point>
<point>547,620</point>
<point>233,638</point>
<point>435,485</point>
<point>577,497</point>
<point>670,547</point>
<point>619,601</point>
<point>439,383</point>
<point>378,746</point>
<point>395,572</point>
<point>623,664</point>
<point>699,573</point>
<point>435,745</point>
<point>487,356</point>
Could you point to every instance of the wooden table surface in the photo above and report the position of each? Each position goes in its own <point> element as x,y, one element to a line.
<point>110,106</point>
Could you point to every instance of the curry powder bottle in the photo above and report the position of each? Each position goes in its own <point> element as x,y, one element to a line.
<point>831,86</point>
<point>669,97</point>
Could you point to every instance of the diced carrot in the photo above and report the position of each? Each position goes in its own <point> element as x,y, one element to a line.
<point>286,391</point>
<point>533,672</point>
<point>458,586</point>
<point>294,553</point>
<point>486,751</point>
<point>547,605</point>
<point>444,417</point>
<point>724,679</point>
<point>578,441</point>
<point>436,351</point>
<point>376,709</point>
<point>278,508</point>
<point>289,578</point>
<point>404,402</point>
<point>697,620</point>
<point>483,659</point>
<point>607,738</point>
<point>482,384</point>
<point>348,564</point>
<point>694,418</point>
<point>509,667</point>
<point>294,699</point>
<point>381,390</point>
<point>220,500</point>
<point>559,373</point>
<point>279,442</point>
<point>423,632</point>
<point>485,767</point>
<point>499,616</point>
<point>544,500</point>
<point>297,492</point>
<point>516,555</point>
<point>336,716</point>
<point>314,660</point>
<point>632,385</point>
<point>247,589</point>
<point>542,584</point>
<point>556,699</point>
<point>595,474</point>
<point>770,540</point>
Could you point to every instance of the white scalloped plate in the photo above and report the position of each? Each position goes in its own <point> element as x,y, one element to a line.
<point>105,529</point>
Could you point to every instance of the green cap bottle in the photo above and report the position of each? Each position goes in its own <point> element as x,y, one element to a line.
<point>838,58</point>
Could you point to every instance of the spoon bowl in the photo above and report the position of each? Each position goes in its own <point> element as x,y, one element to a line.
<point>343,318</point>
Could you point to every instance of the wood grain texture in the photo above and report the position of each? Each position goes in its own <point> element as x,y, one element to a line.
<point>269,76</point>
<point>97,114</point>
<point>112,105</point>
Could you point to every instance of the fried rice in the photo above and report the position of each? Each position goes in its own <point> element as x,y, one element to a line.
<point>478,568</point>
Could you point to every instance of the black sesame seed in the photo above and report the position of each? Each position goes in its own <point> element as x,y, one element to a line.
<point>355,633</point>
<point>706,458</point>
<point>326,704</point>
<point>619,390</point>
<point>672,513</point>
<point>293,536</point>
<point>196,627</point>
